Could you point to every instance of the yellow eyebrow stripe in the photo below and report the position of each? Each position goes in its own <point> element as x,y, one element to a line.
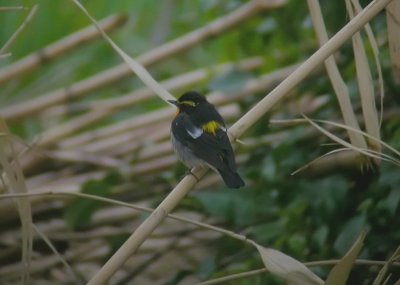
<point>189,103</point>
<point>211,127</point>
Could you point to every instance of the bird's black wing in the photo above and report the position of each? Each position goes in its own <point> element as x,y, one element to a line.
<point>215,149</point>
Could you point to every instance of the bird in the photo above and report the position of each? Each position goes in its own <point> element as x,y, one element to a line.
<point>199,137</point>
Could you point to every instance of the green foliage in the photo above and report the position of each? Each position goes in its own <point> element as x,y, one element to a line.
<point>230,81</point>
<point>308,216</point>
<point>78,213</point>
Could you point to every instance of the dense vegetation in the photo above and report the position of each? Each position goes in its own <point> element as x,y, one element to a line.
<point>108,135</point>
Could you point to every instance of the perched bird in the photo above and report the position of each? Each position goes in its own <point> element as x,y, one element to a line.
<point>199,137</point>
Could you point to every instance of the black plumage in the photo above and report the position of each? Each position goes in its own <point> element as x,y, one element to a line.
<point>199,137</point>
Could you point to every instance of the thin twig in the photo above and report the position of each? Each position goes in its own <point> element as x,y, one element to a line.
<point>111,106</point>
<point>58,48</point>
<point>263,83</point>
<point>105,78</point>
<point>20,29</point>
<point>308,264</point>
<point>393,30</point>
<point>73,273</point>
<point>12,8</point>
<point>168,204</point>
<point>338,84</point>
<point>5,55</point>
<point>365,87</point>
<point>128,205</point>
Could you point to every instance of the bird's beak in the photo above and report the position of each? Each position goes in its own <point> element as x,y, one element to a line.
<point>173,102</point>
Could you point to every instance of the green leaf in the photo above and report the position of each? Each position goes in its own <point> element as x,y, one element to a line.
<point>115,242</point>
<point>349,233</point>
<point>269,231</point>
<point>79,212</point>
<point>340,273</point>
<point>231,81</point>
<point>179,276</point>
<point>207,267</point>
<point>320,235</point>
<point>391,203</point>
<point>240,208</point>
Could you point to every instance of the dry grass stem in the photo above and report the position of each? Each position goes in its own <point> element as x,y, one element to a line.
<point>131,131</point>
<point>168,204</point>
<point>367,152</point>
<point>393,28</point>
<point>41,264</point>
<point>5,55</point>
<point>336,79</point>
<point>57,49</point>
<point>126,205</point>
<point>20,29</point>
<point>126,137</point>
<point>104,108</point>
<point>308,264</point>
<point>366,87</point>
<point>134,65</point>
<point>375,51</point>
<point>70,270</point>
<point>105,78</point>
<point>308,66</point>
<point>13,181</point>
<point>12,8</point>
<point>370,137</point>
<point>382,273</point>
<point>265,82</point>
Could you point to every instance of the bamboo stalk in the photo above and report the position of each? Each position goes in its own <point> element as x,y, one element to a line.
<point>168,204</point>
<point>110,76</point>
<point>57,49</point>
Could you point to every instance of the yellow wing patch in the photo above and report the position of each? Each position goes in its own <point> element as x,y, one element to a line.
<point>211,127</point>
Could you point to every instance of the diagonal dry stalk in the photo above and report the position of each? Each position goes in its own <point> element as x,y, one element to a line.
<point>393,28</point>
<point>338,84</point>
<point>175,217</point>
<point>57,49</point>
<point>133,131</point>
<point>111,106</point>
<point>12,8</point>
<point>366,87</point>
<point>308,264</point>
<point>265,82</point>
<point>105,78</point>
<point>21,28</point>
<point>13,180</point>
<point>169,203</point>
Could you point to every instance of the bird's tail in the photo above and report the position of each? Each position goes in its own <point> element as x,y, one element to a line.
<point>231,179</point>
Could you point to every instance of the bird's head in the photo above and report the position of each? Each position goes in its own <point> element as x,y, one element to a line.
<point>189,101</point>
